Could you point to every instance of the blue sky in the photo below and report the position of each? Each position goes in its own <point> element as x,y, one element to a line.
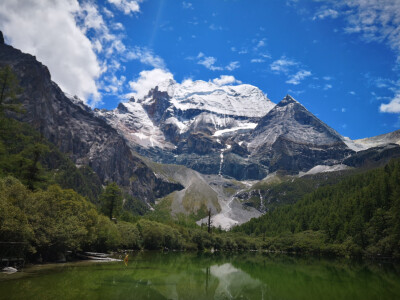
<point>340,59</point>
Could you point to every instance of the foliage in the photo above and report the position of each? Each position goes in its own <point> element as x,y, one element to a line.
<point>9,89</point>
<point>359,215</point>
<point>111,200</point>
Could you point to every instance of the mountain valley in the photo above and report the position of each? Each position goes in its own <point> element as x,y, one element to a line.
<point>198,146</point>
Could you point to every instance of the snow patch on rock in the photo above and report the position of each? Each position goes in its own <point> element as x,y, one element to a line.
<point>324,169</point>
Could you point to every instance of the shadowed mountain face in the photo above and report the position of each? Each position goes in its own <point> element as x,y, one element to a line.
<point>291,138</point>
<point>75,130</point>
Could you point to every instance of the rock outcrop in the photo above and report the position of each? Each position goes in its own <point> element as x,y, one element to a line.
<point>291,138</point>
<point>75,129</point>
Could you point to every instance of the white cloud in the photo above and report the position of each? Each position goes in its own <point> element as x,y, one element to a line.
<point>226,79</point>
<point>327,86</point>
<point>108,12</point>
<point>215,27</point>
<point>146,56</point>
<point>118,26</point>
<point>352,93</point>
<point>261,43</point>
<point>291,68</point>
<point>48,30</point>
<point>393,106</point>
<point>343,109</point>
<point>298,77</point>
<point>283,65</point>
<point>257,60</point>
<point>126,6</point>
<point>148,80</point>
<point>115,84</point>
<point>187,5</point>
<point>233,65</point>
<point>375,21</point>
<point>208,62</point>
<point>326,13</point>
<point>72,38</point>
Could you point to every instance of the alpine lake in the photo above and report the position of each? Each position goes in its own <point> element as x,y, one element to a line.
<point>175,275</point>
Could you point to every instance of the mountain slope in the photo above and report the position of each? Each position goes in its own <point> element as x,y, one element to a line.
<point>290,138</point>
<point>75,130</point>
<point>192,124</point>
<point>376,141</point>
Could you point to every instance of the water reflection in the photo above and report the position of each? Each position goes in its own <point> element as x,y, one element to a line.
<point>234,283</point>
<point>193,276</point>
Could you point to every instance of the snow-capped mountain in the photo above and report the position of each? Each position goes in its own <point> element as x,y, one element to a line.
<point>289,137</point>
<point>376,141</point>
<point>227,100</point>
<point>229,130</point>
<point>173,110</point>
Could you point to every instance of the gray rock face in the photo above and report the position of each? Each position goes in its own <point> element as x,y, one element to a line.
<point>77,131</point>
<point>287,138</point>
<point>184,129</point>
<point>290,138</point>
<point>373,157</point>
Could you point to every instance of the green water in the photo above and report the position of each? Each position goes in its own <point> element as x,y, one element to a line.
<point>202,276</point>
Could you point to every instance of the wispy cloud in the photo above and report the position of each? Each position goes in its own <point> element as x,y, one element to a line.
<point>374,21</point>
<point>233,65</point>
<point>126,6</point>
<point>257,60</point>
<point>298,77</point>
<point>215,27</point>
<point>210,63</point>
<point>290,67</point>
<point>187,5</point>
<point>145,56</point>
<point>325,12</point>
<point>283,65</point>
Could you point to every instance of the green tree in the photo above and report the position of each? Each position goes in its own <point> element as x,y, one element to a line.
<point>111,200</point>
<point>30,166</point>
<point>9,90</point>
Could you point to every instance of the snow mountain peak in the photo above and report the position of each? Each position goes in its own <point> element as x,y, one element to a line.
<point>287,100</point>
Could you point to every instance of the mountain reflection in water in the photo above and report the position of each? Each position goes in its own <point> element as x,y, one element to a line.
<point>205,276</point>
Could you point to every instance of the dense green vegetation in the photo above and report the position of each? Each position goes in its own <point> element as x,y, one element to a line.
<point>358,216</point>
<point>283,189</point>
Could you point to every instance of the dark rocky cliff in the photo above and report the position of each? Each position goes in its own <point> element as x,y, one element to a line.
<point>75,130</point>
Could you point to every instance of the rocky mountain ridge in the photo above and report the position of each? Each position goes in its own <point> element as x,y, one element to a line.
<point>172,126</point>
<point>75,130</point>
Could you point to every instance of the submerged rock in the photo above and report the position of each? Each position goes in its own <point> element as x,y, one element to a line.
<point>9,270</point>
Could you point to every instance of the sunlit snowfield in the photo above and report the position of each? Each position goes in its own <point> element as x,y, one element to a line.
<point>202,276</point>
